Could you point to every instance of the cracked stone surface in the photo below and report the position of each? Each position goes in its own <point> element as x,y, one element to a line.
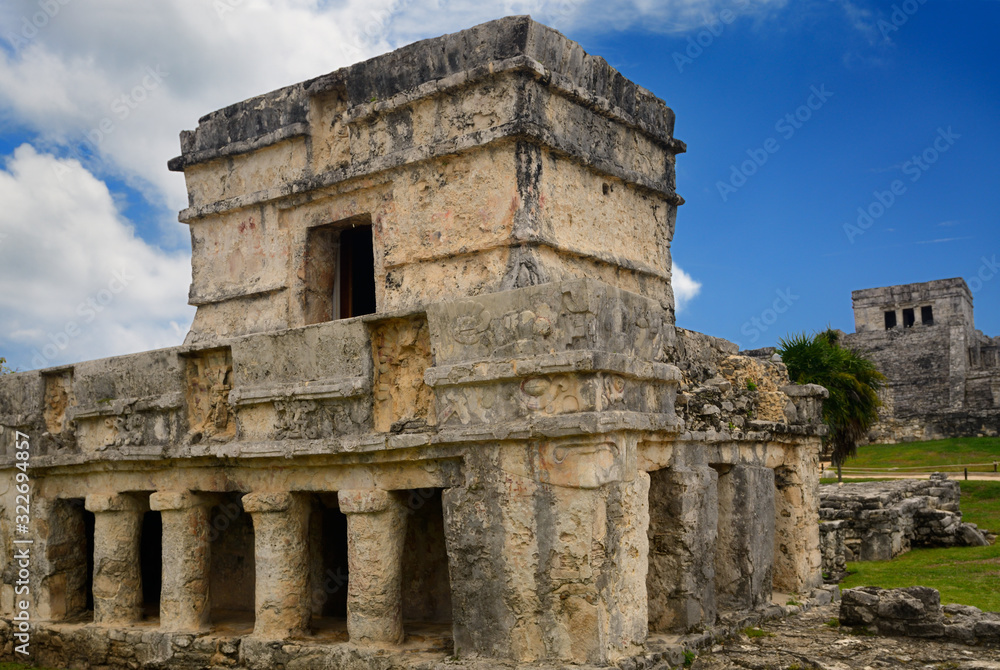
<point>805,641</point>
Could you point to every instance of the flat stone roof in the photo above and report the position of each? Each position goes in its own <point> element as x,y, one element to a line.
<point>422,68</point>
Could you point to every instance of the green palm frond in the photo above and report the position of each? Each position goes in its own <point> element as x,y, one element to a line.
<point>852,380</point>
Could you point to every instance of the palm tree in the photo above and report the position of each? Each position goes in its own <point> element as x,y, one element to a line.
<point>852,380</point>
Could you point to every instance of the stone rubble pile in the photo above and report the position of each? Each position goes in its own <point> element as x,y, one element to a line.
<point>877,521</point>
<point>916,611</point>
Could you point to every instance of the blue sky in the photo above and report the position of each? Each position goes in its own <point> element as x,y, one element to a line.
<point>796,114</point>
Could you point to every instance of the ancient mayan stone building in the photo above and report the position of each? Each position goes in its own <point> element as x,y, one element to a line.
<point>943,374</point>
<point>433,405</point>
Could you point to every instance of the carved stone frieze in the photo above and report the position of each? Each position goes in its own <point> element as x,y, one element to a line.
<point>208,383</point>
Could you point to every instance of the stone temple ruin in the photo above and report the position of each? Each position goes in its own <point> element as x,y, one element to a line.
<point>433,405</point>
<point>943,374</point>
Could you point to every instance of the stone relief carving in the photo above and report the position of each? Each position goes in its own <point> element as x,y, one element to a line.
<point>584,465</point>
<point>466,405</point>
<point>125,430</point>
<point>558,394</point>
<point>613,390</point>
<point>59,397</point>
<point>522,329</point>
<point>314,419</point>
<point>209,381</point>
<point>402,350</point>
<point>469,328</point>
<point>298,419</point>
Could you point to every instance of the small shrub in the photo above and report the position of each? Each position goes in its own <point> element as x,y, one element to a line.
<point>753,633</point>
<point>689,657</point>
<point>751,385</point>
<point>833,623</point>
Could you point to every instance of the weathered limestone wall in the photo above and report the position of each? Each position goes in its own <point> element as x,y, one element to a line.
<point>744,555</point>
<point>684,518</point>
<point>950,299</point>
<point>64,577</point>
<point>541,570</point>
<point>499,120</point>
<point>833,547</point>
<point>546,408</point>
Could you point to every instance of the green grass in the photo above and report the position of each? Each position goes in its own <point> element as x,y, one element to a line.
<point>966,575</point>
<point>981,504</point>
<point>929,455</point>
<point>18,666</point>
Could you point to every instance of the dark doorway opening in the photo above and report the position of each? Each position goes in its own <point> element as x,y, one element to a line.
<point>328,567</point>
<point>151,563</point>
<point>339,271</point>
<point>927,315</point>
<point>357,272</point>
<point>88,582</point>
<point>890,319</point>
<point>232,576</point>
<point>908,318</point>
<point>426,581</point>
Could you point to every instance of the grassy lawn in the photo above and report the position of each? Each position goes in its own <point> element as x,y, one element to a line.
<point>966,575</point>
<point>928,455</point>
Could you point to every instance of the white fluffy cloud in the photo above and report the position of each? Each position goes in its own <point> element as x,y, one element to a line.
<point>685,288</point>
<point>75,282</point>
<point>88,72</point>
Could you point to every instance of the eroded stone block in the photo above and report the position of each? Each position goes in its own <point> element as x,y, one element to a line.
<point>683,527</point>
<point>402,353</point>
<point>744,553</point>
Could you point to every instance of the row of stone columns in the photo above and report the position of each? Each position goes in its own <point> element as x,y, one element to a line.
<point>376,527</point>
<point>722,537</point>
<point>719,536</point>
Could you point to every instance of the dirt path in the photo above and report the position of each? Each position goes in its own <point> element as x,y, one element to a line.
<point>804,641</point>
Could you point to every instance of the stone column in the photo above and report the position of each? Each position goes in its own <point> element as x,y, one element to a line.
<point>58,573</point>
<point>744,556</point>
<point>683,522</point>
<point>376,531</point>
<point>281,554</point>
<point>551,571</point>
<point>797,561</point>
<point>117,569</point>
<point>184,595</point>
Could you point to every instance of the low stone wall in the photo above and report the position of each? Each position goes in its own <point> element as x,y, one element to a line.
<point>877,521</point>
<point>833,550</point>
<point>916,612</point>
